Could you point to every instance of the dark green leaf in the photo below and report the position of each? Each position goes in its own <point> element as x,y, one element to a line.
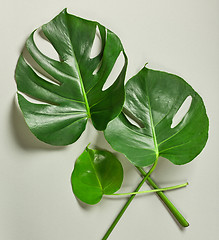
<point>153,98</point>
<point>66,107</point>
<point>96,173</point>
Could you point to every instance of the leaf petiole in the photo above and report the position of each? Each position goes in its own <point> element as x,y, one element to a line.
<point>154,190</point>
<point>129,201</point>
<point>183,222</point>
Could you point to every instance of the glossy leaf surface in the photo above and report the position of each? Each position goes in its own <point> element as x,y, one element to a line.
<point>66,107</point>
<point>153,98</point>
<point>96,173</point>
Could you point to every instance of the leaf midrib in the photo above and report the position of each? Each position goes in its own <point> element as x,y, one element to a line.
<point>83,90</point>
<point>152,125</point>
<point>79,75</point>
<point>96,173</point>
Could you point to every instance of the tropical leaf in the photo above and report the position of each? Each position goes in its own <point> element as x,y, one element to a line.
<point>153,98</point>
<point>66,107</point>
<point>96,173</point>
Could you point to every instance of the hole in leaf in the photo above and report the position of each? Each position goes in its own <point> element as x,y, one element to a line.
<point>181,112</point>
<point>97,68</point>
<point>117,68</point>
<point>132,119</point>
<point>97,44</point>
<point>44,45</point>
<point>39,70</point>
<point>32,99</point>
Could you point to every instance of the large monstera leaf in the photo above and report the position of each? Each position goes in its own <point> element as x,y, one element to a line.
<point>65,108</point>
<point>153,98</point>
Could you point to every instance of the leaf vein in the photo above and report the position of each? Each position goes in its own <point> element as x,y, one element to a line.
<point>180,145</point>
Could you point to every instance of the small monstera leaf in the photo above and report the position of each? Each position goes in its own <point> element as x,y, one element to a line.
<point>153,98</point>
<point>96,173</point>
<point>66,107</point>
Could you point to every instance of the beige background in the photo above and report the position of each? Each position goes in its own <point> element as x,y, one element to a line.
<point>36,200</point>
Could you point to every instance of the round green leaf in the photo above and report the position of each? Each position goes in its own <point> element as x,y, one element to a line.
<point>96,173</point>
<point>66,107</point>
<point>153,98</point>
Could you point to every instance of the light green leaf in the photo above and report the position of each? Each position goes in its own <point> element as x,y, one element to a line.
<point>96,173</point>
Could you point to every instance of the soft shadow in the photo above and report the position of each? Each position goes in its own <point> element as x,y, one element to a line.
<point>164,168</point>
<point>42,35</point>
<point>171,214</point>
<point>83,205</point>
<point>22,134</point>
<point>100,142</point>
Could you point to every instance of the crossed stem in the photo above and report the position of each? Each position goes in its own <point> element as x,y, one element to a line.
<point>146,177</point>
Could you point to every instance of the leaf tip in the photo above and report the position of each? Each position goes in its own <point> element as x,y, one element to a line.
<point>65,10</point>
<point>145,66</point>
<point>88,146</point>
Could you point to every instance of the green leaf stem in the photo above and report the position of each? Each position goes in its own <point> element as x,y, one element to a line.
<point>153,190</point>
